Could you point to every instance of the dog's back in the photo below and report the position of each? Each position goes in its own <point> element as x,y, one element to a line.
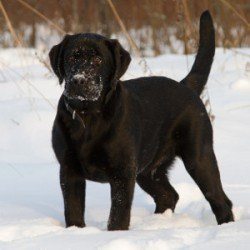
<point>162,102</point>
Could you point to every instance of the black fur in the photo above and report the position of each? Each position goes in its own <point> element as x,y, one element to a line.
<point>134,129</point>
<point>197,77</point>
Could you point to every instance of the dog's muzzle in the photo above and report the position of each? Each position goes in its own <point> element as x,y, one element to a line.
<point>83,87</point>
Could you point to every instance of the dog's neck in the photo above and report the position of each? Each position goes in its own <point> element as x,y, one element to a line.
<point>79,109</point>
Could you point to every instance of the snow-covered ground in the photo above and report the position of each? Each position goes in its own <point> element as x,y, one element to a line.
<point>31,207</point>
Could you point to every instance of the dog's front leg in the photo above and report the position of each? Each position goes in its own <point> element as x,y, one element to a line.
<point>73,189</point>
<point>122,190</point>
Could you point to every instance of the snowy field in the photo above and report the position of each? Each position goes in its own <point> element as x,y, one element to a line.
<point>31,205</point>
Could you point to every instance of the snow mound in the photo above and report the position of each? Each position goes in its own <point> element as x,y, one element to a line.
<point>242,84</point>
<point>28,229</point>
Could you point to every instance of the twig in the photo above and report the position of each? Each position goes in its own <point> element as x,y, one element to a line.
<point>208,105</point>
<point>15,170</point>
<point>187,15</point>
<point>43,61</point>
<point>12,31</point>
<point>15,122</point>
<point>239,52</point>
<point>129,38</point>
<point>239,107</point>
<point>131,41</point>
<point>3,76</point>
<point>10,27</point>
<point>13,80</point>
<point>30,84</point>
<point>180,23</point>
<point>42,16</point>
<point>236,12</point>
<point>19,42</point>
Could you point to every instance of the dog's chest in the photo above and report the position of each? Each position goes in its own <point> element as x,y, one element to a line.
<point>94,161</point>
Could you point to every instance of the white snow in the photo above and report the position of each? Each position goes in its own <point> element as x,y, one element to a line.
<point>31,206</point>
<point>241,84</point>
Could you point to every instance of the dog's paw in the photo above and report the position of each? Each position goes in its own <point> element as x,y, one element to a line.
<point>76,224</point>
<point>114,227</point>
<point>166,202</point>
<point>229,217</point>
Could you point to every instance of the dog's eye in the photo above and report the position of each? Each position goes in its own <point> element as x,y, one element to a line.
<point>97,60</point>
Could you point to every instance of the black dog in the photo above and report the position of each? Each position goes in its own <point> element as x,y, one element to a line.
<point>106,130</point>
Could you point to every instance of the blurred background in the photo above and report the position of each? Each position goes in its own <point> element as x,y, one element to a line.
<point>157,27</point>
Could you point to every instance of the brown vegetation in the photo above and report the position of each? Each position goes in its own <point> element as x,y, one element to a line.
<point>151,23</point>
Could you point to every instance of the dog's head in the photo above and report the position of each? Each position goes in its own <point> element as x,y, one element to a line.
<point>90,64</point>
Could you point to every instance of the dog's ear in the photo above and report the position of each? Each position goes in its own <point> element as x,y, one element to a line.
<point>56,59</point>
<point>121,58</point>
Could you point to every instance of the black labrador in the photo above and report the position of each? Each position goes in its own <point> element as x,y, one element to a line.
<point>123,132</point>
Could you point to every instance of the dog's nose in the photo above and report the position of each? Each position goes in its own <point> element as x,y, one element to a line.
<point>81,81</point>
<point>76,80</point>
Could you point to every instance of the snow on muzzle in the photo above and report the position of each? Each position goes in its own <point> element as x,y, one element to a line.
<point>83,87</point>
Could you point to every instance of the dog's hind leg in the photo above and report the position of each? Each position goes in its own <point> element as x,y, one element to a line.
<point>157,185</point>
<point>200,162</point>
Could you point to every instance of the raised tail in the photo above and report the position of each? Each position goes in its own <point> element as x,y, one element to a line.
<point>197,77</point>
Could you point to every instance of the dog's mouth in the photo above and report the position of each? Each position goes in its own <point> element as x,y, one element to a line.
<point>83,88</point>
